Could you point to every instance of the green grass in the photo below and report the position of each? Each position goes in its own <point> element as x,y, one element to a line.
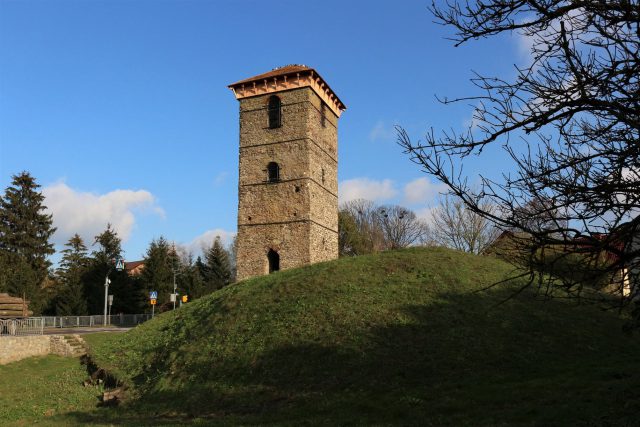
<point>400,338</point>
<point>39,388</point>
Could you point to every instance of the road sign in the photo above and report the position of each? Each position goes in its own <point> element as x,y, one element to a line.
<point>119,264</point>
<point>153,301</point>
<point>153,295</point>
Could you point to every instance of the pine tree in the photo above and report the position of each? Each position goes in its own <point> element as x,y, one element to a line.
<point>218,271</point>
<point>127,298</point>
<point>159,264</point>
<point>25,230</point>
<point>109,246</point>
<point>74,263</point>
<point>191,281</point>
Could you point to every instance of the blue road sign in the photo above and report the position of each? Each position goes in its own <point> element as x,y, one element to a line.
<point>119,264</point>
<point>153,295</point>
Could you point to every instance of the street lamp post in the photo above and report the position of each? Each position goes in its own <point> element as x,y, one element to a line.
<point>174,269</point>
<point>106,296</point>
<point>119,264</point>
<point>174,289</point>
<point>110,304</point>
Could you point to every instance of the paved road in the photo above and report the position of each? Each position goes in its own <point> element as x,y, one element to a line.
<point>87,330</point>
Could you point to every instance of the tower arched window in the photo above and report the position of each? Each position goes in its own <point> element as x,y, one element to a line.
<point>273,172</point>
<point>274,260</point>
<point>275,112</point>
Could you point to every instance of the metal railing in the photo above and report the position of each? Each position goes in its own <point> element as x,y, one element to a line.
<point>122,320</point>
<point>36,325</point>
<point>21,327</point>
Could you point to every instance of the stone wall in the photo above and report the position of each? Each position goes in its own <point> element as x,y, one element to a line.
<point>298,215</point>
<point>288,239</point>
<point>324,244</point>
<point>14,348</point>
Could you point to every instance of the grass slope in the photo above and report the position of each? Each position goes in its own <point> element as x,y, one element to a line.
<point>401,337</point>
<point>40,388</point>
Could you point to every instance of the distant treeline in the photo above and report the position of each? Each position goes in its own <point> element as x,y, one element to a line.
<point>76,286</point>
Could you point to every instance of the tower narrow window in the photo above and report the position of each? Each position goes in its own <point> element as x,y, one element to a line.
<point>273,171</point>
<point>275,112</point>
<point>274,260</point>
<point>323,118</point>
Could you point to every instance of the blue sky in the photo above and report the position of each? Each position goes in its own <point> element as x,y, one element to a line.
<point>121,111</point>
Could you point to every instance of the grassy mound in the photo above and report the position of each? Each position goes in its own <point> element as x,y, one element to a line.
<point>38,389</point>
<point>402,337</point>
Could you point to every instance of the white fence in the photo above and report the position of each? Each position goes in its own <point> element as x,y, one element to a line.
<point>36,325</point>
<point>96,320</point>
<point>20,327</point>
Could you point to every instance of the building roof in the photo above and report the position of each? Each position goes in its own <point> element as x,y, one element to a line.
<point>132,264</point>
<point>278,71</point>
<point>285,78</point>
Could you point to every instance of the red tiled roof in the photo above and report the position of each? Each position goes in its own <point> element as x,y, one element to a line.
<point>132,264</point>
<point>280,71</point>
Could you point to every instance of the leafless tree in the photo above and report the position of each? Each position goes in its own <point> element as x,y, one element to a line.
<point>400,226</point>
<point>456,226</point>
<point>365,227</point>
<point>364,215</point>
<point>569,121</point>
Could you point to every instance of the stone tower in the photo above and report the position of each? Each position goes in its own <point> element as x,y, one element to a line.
<point>288,181</point>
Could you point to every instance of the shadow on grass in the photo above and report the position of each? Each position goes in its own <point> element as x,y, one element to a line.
<point>459,361</point>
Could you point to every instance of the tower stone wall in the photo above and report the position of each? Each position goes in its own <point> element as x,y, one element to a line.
<point>295,216</point>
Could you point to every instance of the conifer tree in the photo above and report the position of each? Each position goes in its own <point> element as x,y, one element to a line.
<point>25,230</point>
<point>218,271</point>
<point>191,281</point>
<point>158,269</point>
<point>109,245</point>
<point>74,263</point>
<point>127,298</point>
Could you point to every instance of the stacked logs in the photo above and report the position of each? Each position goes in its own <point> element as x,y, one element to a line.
<point>13,307</point>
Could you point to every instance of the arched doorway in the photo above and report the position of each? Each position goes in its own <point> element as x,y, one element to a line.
<point>274,261</point>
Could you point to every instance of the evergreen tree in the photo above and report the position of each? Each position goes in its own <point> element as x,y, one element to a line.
<point>74,263</point>
<point>191,279</point>
<point>127,298</point>
<point>25,230</point>
<point>109,246</point>
<point>18,278</point>
<point>202,268</point>
<point>218,271</point>
<point>159,264</point>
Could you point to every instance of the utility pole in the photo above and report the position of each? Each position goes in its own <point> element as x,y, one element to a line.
<point>119,264</point>
<point>110,304</point>
<point>174,269</point>
<point>106,296</point>
<point>174,289</point>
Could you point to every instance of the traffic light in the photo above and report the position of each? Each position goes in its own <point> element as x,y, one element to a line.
<point>185,298</point>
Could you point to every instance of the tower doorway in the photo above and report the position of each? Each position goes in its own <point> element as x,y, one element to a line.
<point>274,261</point>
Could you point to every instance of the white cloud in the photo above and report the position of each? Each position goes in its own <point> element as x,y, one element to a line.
<point>531,41</point>
<point>220,179</point>
<point>421,190</point>
<point>426,214</point>
<point>629,174</point>
<point>381,132</point>
<point>205,240</point>
<point>365,188</point>
<point>524,44</point>
<point>87,213</point>
<point>475,119</point>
